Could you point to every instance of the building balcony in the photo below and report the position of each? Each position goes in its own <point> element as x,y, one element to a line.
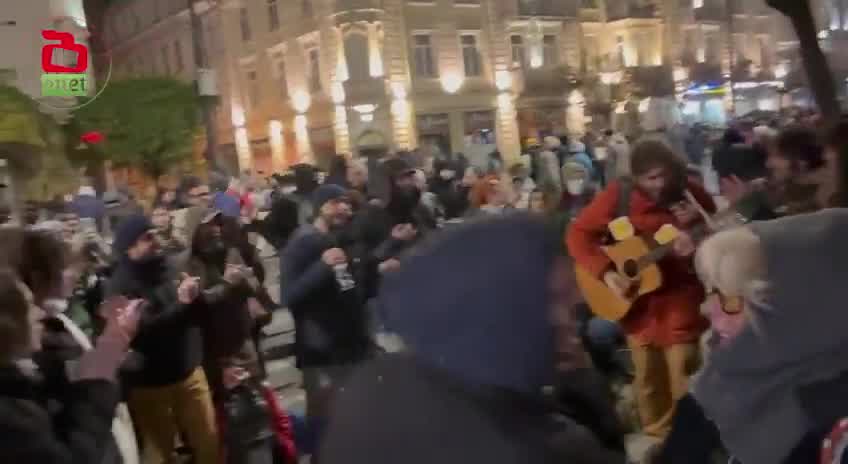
<point>544,81</point>
<point>357,10</point>
<point>590,15</point>
<point>364,91</point>
<point>343,6</point>
<point>651,81</point>
<point>712,14</point>
<point>632,11</point>
<point>705,73</point>
<point>547,8</point>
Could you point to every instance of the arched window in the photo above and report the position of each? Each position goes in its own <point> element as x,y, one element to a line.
<point>356,55</point>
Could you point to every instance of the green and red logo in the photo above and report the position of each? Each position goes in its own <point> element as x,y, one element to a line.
<point>63,79</point>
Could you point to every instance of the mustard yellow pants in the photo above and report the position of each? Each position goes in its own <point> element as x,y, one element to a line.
<point>661,377</point>
<point>186,406</point>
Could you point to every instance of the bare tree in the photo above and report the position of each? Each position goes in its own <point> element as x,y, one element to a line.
<point>815,63</point>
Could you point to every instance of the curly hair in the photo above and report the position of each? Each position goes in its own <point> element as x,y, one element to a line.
<point>37,257</point>
<point>14,317</point>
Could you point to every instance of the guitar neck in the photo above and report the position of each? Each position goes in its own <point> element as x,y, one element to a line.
<point>698,233</point>
<point>723,220</point>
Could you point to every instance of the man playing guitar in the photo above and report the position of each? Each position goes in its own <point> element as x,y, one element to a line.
<point>663,327</point>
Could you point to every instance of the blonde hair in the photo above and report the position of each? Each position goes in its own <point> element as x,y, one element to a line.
<point>733,263</point>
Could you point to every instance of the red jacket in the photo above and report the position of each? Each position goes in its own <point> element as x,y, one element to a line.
<point>669,316</point>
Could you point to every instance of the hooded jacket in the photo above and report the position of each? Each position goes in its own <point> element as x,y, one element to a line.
<point>785,372</point>
<point>480,349</point>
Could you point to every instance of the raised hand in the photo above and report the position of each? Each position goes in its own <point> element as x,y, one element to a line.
<point>189,289</point>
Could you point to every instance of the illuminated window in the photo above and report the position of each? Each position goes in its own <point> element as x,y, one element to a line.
<point>253,88</point>
<point>244,22</point>
<point>470,55</point>
<point>550,51</point>
<point>425,63</point>
<point>619,50</point>
<point>518,55</point>
<point>280,73</point>
<point>273,15</point>
<point>356,56</point>
<point>314,70</point>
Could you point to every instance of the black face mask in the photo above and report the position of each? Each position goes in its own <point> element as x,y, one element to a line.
<point>403,202</point>
<point>213,250</point>
<point>151,268</point>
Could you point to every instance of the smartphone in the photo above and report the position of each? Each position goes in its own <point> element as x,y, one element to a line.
<point>88,226</point>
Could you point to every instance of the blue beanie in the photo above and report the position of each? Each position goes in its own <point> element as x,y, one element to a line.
<point>130,230</point>
<point>580,161</point>
<point>325,193</point>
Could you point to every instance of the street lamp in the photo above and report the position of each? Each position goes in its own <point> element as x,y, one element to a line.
<point>204,74</point>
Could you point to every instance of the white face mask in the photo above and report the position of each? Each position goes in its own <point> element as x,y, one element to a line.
<point>55,305</point>
<point>446,174</point>
<point>575,186</point>
<point>289,189</point>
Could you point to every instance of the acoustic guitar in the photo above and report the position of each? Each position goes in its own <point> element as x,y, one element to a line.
<point>635,258</point>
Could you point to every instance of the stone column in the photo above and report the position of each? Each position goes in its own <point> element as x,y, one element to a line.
<point>375,55</point>
<point>506,117</point>
<point>341,130</point>
<point>396,68</point>
<point>232,39</point>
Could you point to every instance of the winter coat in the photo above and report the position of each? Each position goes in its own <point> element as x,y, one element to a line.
<point>167,344</point>
<point>63,343</point>
<point>281,221</point>
<point>89,206</point>
<point>226,325</point>
<point>420,415</point>
<point>694,439</point>
<point>670,315</point>
<point>330,324</point>
<point>31,431</point>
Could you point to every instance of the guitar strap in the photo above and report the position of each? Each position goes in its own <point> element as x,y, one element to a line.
<point>625,186</point>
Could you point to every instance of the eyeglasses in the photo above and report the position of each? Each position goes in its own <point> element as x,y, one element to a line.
<point>729,304</point>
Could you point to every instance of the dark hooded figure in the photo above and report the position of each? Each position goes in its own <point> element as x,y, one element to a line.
<point>337,175</point>
<point>284,217</point>
<point>306,181</point>
<point>376,229</point>
<point>449,189</point>
<point>479,350</point>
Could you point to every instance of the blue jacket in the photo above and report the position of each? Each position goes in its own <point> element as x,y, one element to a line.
<point>330,324</point>
<point>89,206</point>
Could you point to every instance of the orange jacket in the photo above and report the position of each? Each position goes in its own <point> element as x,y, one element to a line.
<point>669,316</point>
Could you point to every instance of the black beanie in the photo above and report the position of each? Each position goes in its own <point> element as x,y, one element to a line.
<point>131,229</point>
<point>326,193</point>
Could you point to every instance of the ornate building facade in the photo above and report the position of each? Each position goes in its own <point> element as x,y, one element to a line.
<point>301,80</point>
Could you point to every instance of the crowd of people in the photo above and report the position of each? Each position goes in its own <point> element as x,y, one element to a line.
<point>130,333</point>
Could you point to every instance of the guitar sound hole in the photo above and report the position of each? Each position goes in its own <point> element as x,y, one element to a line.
<point>630,269</point>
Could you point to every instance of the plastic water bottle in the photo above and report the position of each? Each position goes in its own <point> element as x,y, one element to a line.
<point>344,277</point>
